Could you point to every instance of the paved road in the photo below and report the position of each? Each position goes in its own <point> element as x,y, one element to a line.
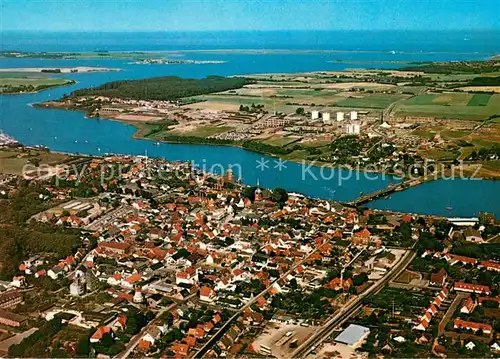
<point>451,311</point>
<point>215,338</point>
<point>351,308</point>
<point>134,342</point>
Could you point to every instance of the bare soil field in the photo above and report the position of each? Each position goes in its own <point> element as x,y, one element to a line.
<point>140,118</point>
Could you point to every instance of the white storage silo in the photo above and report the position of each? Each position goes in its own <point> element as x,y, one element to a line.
<point>326,118</point>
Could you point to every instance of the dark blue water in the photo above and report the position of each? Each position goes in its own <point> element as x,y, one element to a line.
<point>71,132</point>
<point>450,197</point>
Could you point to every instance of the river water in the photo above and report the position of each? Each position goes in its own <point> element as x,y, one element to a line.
<point>71,132</point>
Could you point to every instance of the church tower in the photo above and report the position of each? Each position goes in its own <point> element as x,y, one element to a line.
<point>258,192</point>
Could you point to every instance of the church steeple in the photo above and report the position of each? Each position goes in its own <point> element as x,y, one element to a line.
<point>258,192</point>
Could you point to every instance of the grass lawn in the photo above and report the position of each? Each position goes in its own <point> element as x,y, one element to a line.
<point>479,99</point>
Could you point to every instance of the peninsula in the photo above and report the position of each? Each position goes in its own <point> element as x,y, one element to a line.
<point>61,70</point>
<point>17,83</point>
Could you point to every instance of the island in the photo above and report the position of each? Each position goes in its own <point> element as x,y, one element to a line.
<point>17,83</point>
<point>59,70</point>
<point>138,57</point>
<point>424,118</point>
<point>176,62</point>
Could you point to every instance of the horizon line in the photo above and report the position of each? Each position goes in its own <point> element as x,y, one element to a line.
<point>247,30</point>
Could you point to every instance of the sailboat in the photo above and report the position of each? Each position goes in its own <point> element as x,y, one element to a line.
<point>449,208</point>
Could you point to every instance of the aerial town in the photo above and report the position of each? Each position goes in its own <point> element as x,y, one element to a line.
<point>130,256</point>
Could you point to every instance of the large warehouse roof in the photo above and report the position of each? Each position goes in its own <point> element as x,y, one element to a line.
<point>352,334</point>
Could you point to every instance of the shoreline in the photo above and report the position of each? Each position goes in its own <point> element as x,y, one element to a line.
<point>38,91</point>
<point>139,136</point>
<point>344,203</point>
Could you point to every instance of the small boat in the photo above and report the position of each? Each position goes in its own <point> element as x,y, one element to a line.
<point>98,149</point>
<point>449,208</point>
<point>76,141</point>
<point>156,144</point>
<point>86,141</point>
<point>55,137</point>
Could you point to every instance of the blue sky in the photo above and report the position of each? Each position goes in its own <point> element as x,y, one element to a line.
<point>213,15</point>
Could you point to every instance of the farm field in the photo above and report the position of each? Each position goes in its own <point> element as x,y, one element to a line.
<point>379,101</point>
<point>480,99</point>
<point>462,106</point>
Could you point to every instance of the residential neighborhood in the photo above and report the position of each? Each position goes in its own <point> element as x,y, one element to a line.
<point>172,261</point>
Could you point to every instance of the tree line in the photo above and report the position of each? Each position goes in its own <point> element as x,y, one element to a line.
<point>164,88</point>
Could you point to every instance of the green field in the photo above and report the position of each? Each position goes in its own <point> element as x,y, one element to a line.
<point>445,99</point>
<point>14,83</point>
<point>34,81</point>
<point>480,99</point>
<point>448,106</point>
<point>379,101</point>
